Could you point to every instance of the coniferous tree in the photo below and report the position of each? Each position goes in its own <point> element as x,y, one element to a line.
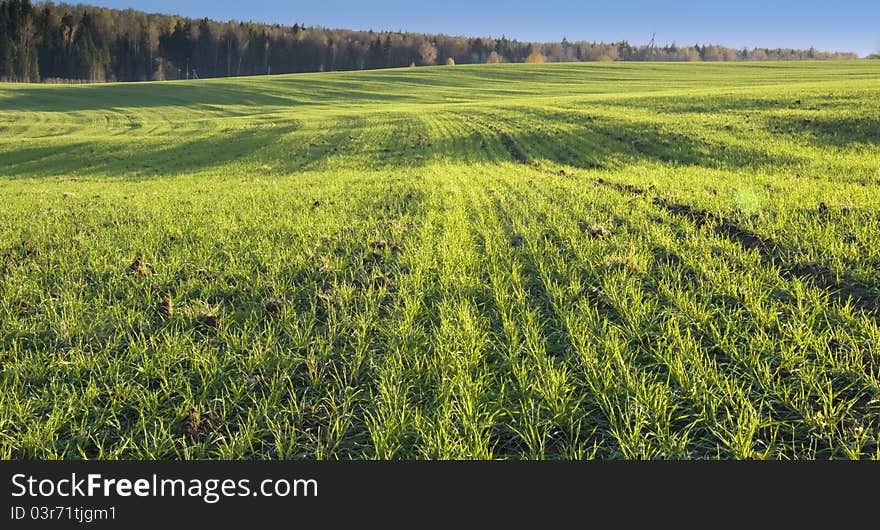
<point>5,45</point>
<point>19,51</point>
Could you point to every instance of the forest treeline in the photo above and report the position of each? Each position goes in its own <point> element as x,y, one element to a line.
<point>53,42</point>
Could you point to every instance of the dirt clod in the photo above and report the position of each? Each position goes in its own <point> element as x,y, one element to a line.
<point>323,263</point>
<point>140,267</point>
<point>165,307</point>
<point>382,281</point>
<point>517,241</point>
<point>24,307</point>
<point>197,425</point>
<point>208,321</point>
<point>274,305</point>
<point>623,262</point>
<point>597,231</point>
<point>372,259</point>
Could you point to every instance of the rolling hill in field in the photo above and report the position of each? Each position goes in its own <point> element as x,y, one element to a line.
<point>495,261</point>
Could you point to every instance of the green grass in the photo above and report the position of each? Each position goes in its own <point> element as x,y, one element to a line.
<point>558,261</point>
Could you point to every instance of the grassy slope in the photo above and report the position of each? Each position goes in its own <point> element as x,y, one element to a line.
<point>409,263</point>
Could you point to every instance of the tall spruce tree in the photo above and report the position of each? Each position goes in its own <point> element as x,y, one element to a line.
<point>5,46</point>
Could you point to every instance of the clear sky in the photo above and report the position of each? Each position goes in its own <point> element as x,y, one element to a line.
<point>842,25</point>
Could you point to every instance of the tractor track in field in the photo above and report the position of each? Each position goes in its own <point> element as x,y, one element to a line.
<point>514,150</point>
<point>842,289</point>
<point>506,139</point>
<point>626,188</point>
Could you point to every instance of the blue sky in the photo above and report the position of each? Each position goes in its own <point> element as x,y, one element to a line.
<point>842,25</point>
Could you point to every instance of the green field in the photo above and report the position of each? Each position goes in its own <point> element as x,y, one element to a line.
<point>558,261</point>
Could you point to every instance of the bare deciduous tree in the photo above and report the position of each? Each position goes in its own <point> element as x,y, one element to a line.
<point>536,58</point>
<point>428,53</point>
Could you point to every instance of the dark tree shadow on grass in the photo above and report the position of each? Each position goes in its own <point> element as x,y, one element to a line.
<point>837,132</point>
<point>108,97</point>
<point>134,161</point>
<point>591,142</point>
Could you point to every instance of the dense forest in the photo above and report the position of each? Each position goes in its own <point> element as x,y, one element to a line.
<point>54,42</point>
